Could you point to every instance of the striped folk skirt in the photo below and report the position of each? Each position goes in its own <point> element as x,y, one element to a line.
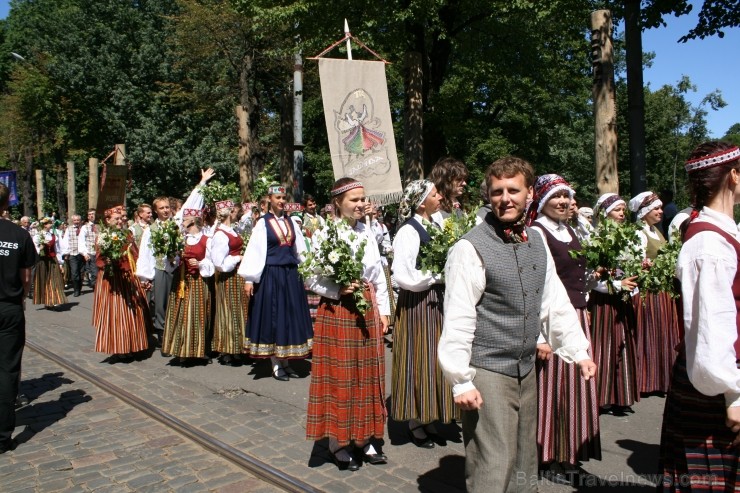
<point>657,338</point>
<point>695,444</point>
<point>188,322</point>
<point>391,294</point>
<point>48,284</point>
<point>279,322</point>
<point>120,313</point>
<point>613,344</point>
<point>418,389</point>
<point>347,393</point>
<point>232,308</point>
<point>313,304</point>
<point>567,410</point>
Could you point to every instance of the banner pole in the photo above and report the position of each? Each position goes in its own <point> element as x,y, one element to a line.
<point>348,36</point>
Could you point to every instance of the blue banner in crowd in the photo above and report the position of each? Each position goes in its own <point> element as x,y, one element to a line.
<point>8,179</point>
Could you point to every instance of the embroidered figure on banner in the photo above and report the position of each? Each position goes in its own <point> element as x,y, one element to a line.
<point>363,143</point>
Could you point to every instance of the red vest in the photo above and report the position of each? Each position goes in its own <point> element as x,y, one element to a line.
<point>696,227</point>
<point>235,243</point>
<point>50,247</point>
<point>197,251</point>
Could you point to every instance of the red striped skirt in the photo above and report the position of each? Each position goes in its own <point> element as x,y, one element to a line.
<point>347,394</point>
<point>48,285</point>
<point>188,321</point>
<point>657,338</point>
<point>567,410</point>
<point>695,444</point>
<point>120,313</point>
<point>613,344</point>
<point>232,308</point>
<point>418,389</point>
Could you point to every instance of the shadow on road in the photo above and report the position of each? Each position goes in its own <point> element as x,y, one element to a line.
<point>41,415</point>
<point>644,458</point>
<point>448,477</point>
<point>36,387</point>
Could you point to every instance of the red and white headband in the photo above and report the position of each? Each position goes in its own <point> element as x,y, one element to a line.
<point>712,160</point>
<point>346,188</point>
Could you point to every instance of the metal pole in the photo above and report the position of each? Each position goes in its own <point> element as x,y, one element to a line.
<point>298,128</point>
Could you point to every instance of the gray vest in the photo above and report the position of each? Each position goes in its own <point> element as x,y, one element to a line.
<point>508,313</point>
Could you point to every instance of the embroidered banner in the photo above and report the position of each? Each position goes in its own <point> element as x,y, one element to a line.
<point>112,188</point>
<point>359,125</point>
<point>9,179</point>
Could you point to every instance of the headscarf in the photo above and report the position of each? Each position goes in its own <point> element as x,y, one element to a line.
<point>643,203</point>
<point>544,188</point>
<point>607,203</point>
<point>414,195</point>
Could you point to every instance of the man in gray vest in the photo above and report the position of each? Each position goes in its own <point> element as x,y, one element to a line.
<point>501,293</point>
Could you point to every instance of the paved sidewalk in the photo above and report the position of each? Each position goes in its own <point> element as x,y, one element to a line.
<point>247,409</point>
<point>75,437</point>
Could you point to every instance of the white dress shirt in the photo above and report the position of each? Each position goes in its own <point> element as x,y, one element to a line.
<point>465,276</point>
<point>255,256</point>
<point>372,267</point>
<point>220,249</point>
<point>706,268</point>
<point>676,222</point>
<point>406,246</point>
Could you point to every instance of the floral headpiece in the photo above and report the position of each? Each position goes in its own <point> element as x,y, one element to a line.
<point>346,188</point>
<point>414,195</point>
<point>192,213</point>
<point>275,189</point>
<point>118,209</point>
<point>607,203</point>
<point>643,203</point>
<point>712,160</point>
<point>224,204</point>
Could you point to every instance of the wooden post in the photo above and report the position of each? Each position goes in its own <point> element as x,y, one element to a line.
<point>298,128</point>
<point>71,199</point>
<point>94,184</point>
<point>40,193</point>
<point>119,159</point>
<point>604,95</point>
<point>635,96</point>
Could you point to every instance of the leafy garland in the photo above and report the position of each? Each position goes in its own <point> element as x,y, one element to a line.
<point>335,260</point>
<point>41,238</point>
<point>433,255</point>
<point>215,192</point>
<point>613,247</point>
<point>658,276</point>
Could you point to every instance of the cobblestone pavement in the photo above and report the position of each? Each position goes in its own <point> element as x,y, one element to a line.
<point>75,437</point>
<point>245,408</point>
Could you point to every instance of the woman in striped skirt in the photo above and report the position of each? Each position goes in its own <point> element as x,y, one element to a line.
<point>419,392</point>
<point>347,394</point>
<point>48,283</point>
<point>231,305</point>
<point>120,309</point>
<point>701,421</point>
<point>568,409</point>
<point>657,317</point>
<point>188,322</point>
<point>613,328</point>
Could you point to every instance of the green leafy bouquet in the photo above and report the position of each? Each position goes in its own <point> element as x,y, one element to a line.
<point>111,245</point>
<point>433,255</point>
<point>245,235</point>
<point>657,276</point>
<point>167,240</point>
<point>41,239</point>
<point>613,249</point>
<point>335,260</point>
<point>215,192</point>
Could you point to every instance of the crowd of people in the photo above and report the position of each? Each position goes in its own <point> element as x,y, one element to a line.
<point>518,339</point>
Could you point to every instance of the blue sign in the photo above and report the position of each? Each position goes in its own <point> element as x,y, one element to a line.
<point>8,179</point>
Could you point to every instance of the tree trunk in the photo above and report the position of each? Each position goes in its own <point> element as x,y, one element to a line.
<point>61,193</point>
<point>250,158</point>
<point>93,188</point>
<point>71,196</point>
<point>635,96</point>
<point>413,121</point>
<point>40,193</point>
<point>605,114</point>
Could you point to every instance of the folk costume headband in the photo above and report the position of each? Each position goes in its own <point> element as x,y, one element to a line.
<point>118,209</point>
<point>608,202</point>
<point>712,160</point>
<point>415,194</point>
<point>346,188</point>
<point>643,203</point>
<point>276,189</point>
<point>192,213</point>
<point>224,204</point>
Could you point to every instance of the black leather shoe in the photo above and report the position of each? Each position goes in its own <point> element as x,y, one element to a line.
<point>277,376</point>
<point>374,459</point>
<point>291,372</point>
<point>351,465</point>
<point>425,442</point>
<point>8,445</point>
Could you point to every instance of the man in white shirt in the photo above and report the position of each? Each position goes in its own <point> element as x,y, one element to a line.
<point>71,253</point>
<point>87,239</point>
<point>502,292</point>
